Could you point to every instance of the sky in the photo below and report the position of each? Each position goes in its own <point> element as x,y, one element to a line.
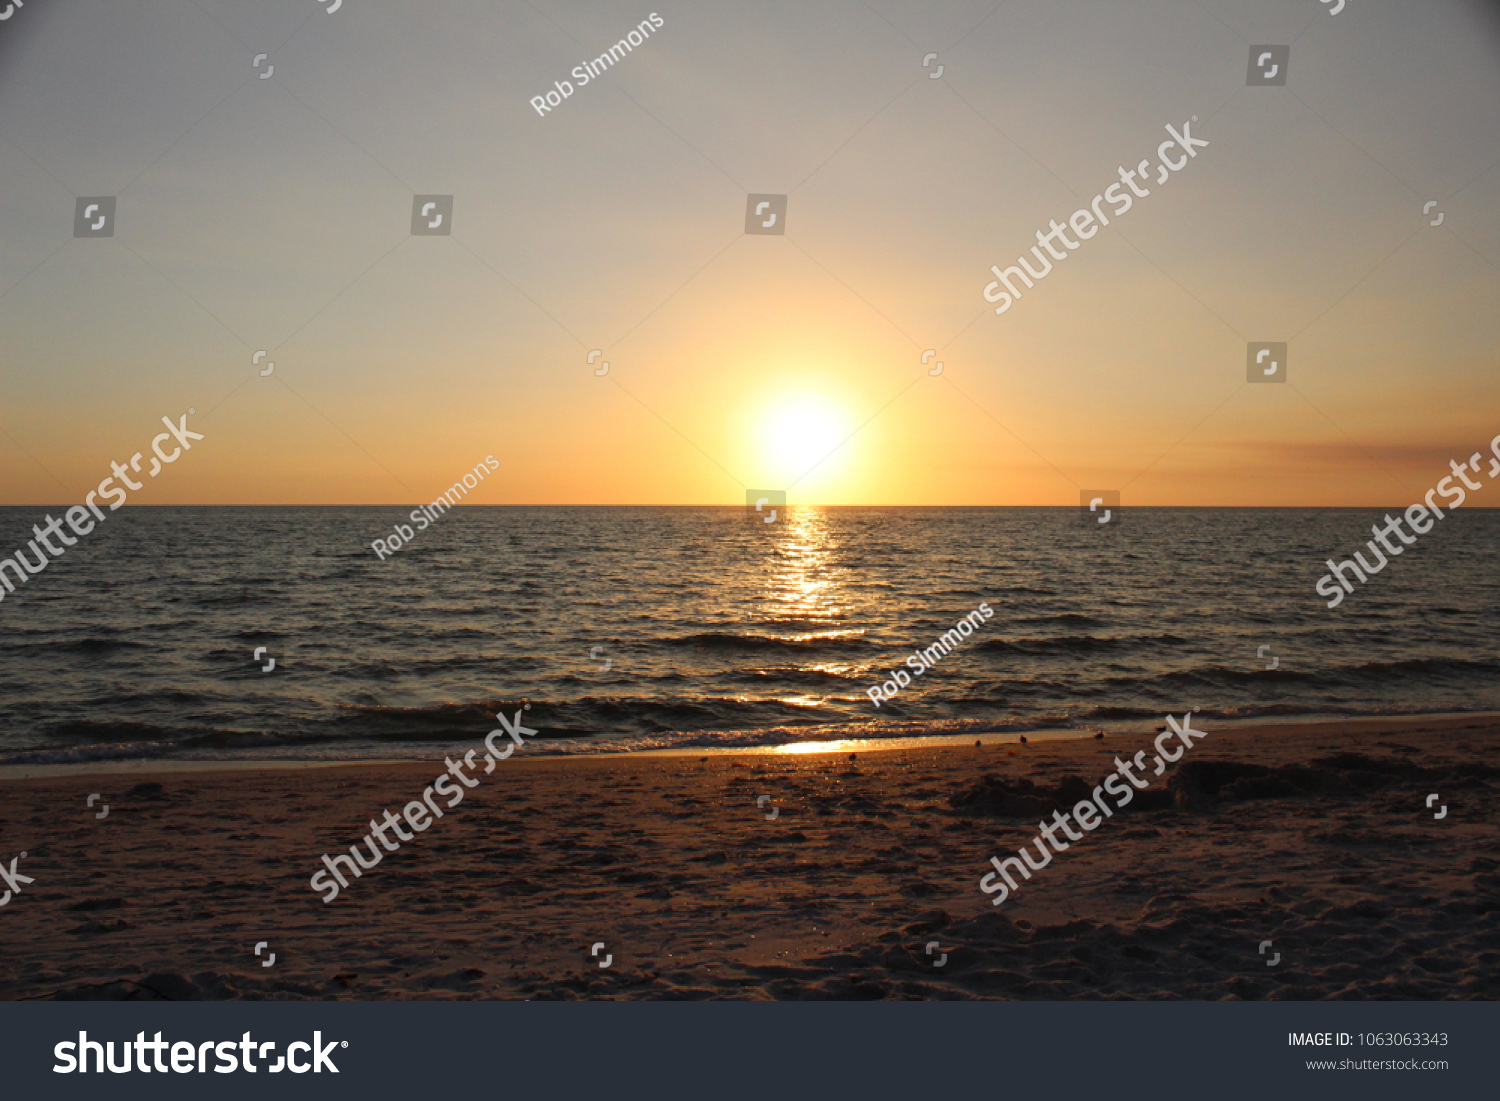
<point>268,206</point>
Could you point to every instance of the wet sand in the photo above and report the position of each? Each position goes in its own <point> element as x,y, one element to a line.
<point>1319,841</point>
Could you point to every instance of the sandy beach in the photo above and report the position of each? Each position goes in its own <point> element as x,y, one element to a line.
<point>1320,842</point>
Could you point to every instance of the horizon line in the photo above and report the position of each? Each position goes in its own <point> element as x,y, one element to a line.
<point>805,504</point>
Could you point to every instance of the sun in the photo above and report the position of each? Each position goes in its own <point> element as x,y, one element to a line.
<point>798,433</point>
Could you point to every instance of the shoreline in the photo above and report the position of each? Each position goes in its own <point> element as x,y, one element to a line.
<point>1259,726</point>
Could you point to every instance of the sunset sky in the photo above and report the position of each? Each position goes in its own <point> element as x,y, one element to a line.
<point>275,214</point>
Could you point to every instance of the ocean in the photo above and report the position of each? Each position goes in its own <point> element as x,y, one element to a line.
<point>618,629</point>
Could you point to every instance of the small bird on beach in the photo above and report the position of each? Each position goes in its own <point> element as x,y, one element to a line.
<point>1023,739</point>
<point>976,743</point>
<point>1099,735</point>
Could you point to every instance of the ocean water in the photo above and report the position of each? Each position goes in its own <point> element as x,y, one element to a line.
<point>624,628</point>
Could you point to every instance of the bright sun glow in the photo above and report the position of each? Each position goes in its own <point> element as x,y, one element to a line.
<point>797,433</point>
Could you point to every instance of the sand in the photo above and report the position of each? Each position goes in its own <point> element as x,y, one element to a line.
<point>1330,853</point>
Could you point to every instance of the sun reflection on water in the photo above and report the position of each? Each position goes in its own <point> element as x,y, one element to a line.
<point>804,583</point>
